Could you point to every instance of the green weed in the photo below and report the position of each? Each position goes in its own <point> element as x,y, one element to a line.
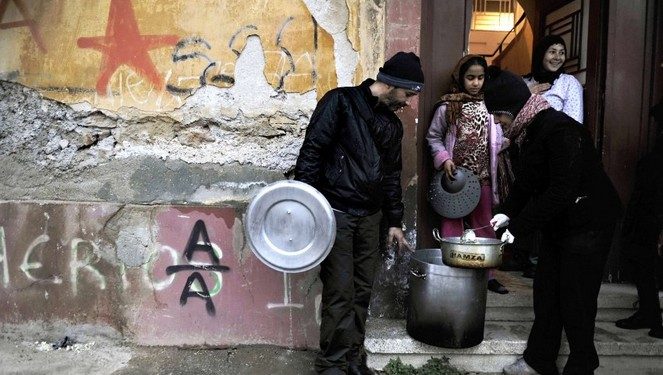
<point>434,366</point>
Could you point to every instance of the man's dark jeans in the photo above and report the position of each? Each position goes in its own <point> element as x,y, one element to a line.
<point>566,287</point>
<point>347,278</point>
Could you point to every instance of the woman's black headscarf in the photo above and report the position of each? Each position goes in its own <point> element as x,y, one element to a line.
<point>538,72</point>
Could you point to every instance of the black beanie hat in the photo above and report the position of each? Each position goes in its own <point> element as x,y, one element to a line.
<point>504,92</point>
<point>403,70</point>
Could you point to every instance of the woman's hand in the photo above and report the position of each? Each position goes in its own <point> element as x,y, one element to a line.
<point>499,221</point>
<point>449,168</point>
<point>506,142</point>
<point>539,88</point>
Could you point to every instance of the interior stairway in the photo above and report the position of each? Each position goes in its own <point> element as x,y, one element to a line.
<point>508,321</point>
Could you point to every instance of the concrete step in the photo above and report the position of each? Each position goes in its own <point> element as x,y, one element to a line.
<point>508,321</point>
<point>615,300</point>
<point>621,351</point>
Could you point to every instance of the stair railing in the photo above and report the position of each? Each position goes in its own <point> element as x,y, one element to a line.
<point>500,47</point>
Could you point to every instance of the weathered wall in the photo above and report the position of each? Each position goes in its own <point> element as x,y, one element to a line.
<point>390,290</point>
<point>122,124</point>
<point>152,54</point>
<point>154,85</point>
<point>177,275</point>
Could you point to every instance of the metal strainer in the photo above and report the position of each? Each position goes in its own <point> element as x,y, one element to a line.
<point>454,198</point>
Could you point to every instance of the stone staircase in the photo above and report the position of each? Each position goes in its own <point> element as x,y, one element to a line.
<point>508,321</point>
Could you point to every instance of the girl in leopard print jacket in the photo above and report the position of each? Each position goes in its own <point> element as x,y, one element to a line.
<point>462,133</point>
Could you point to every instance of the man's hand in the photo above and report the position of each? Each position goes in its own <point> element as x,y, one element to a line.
<point>396,235</point>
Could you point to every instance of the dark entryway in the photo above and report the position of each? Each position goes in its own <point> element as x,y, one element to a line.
<point>619,50</point>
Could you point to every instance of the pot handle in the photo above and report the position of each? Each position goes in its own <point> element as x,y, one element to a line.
<point>436,235</point>
<point>417,274</point>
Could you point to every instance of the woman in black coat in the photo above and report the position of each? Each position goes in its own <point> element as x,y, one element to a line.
<point>561,189</point>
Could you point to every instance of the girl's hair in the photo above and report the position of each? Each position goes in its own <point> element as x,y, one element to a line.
<point>538,72</point>
<point>458,81</point>
<point>457,94</point>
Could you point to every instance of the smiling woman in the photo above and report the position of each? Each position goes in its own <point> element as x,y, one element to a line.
<point>554,57</point>
<point>563,92</point>
<point>547,77</point>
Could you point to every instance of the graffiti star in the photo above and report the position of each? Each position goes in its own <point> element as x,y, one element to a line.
<point>27,21</point>
<point>124,45</point>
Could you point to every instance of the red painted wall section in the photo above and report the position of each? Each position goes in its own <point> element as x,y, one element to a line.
<point>199,284</point>
<point>402,30</point>
<point>251,302</point>
<point>403,26</point>
<point>403,34</point>
<point>49,268</point>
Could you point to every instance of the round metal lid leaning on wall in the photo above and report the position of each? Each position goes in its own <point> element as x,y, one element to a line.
<point>290,226</point>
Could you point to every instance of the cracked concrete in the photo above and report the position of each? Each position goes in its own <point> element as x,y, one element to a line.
<point>220,145</point>
<point>133,236</point>
<point>46,143</point>
<point>98,349</point>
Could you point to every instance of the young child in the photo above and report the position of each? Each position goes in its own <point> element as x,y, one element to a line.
<point>462,133</point>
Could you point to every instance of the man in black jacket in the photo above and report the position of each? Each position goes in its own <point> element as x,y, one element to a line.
<point>560,188</point>
<point>352,155</point>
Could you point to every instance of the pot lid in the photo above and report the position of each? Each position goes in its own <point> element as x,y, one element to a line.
<point>290,226</point>
<point>454,198</point>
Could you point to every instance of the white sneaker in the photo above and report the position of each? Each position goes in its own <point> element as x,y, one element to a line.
<point>519,367</point>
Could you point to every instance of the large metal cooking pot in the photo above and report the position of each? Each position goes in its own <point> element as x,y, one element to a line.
<point>446,305</point>
<point>479,253</point>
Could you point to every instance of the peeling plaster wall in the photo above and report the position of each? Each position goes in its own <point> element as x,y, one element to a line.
<point>153,54</point>
<point>223,140</point>
<point>216,110</point>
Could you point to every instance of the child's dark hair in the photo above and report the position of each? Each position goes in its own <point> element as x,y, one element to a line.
<point>474,60</point>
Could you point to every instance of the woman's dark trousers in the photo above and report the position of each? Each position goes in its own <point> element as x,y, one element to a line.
<point>640,263</point>
<point>566,287</point>
<point>347,279</point>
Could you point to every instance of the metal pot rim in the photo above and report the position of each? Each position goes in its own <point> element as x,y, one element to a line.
<point>480,241</point>
<point>456,240</point>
